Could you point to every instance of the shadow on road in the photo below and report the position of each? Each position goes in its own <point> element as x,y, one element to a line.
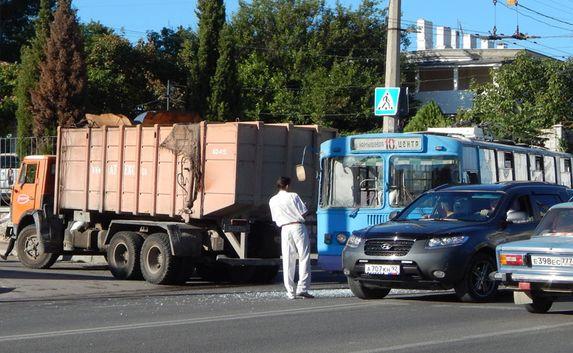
<point>48,275</point>
<point>502,297</point>
<point>6,290</point>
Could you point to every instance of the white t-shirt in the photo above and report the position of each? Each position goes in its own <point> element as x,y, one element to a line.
<point>287,207</point>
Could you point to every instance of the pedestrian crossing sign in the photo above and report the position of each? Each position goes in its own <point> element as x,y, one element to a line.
<point>386,100</point>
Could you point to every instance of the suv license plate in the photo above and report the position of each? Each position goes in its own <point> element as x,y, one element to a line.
<point>382,269</point>
<point>557,261</point>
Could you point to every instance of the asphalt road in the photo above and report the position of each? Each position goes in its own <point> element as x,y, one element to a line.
<point>202,317</point>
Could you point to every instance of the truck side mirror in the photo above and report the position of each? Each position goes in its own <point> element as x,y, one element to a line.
<point>300,172</point>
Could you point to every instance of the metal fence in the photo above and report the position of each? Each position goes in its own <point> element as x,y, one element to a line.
<point>12,150</point>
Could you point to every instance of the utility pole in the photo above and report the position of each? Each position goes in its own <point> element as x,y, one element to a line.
<point>392,76</point>
<point>168,94</point>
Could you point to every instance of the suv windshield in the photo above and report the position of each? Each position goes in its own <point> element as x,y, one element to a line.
<point>558,221</point>
<point>411,176</point>
<point>451,206</point>
<point>351,182</point>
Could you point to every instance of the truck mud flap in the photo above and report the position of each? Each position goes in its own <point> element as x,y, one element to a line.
<point>248,261</point>
<point>49,240</point>
<point>185,241</point>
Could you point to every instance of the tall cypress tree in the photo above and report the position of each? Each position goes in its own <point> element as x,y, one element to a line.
<point>58,99</point>
<point>29,74</point>
<point>224,99</point>
<point>211,14</point>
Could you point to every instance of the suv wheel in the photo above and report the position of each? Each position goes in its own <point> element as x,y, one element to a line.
<point>476,285</point>
<point>367,292</point>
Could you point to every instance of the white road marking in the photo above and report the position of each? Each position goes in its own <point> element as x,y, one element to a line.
<point>135,326</point>
<point>408,346</point>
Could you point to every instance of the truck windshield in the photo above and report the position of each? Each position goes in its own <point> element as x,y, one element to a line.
<point>411,176</point>
<point>557,222</point>
<point>453,206</point>
<point>351,182</point>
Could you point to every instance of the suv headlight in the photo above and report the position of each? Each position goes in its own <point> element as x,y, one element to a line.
<point>445,242</point>
<point>353,241</point>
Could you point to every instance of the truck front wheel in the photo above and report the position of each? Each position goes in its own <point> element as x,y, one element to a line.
<point>158,265</point>
<point>123,255</point>
<point>27,248</point>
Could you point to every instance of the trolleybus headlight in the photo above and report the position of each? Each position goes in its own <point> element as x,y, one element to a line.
<point>445,242</point>
<point>353,241</point>
<point>341,238</point>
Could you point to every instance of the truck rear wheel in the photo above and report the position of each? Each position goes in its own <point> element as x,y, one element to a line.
<point>27,248</point>
<point>158,265</point>
<point>123,255</point>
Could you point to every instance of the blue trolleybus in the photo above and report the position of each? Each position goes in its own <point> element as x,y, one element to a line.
<point>364,178</point>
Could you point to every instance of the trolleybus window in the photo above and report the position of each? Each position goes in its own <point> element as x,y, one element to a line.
<point>352,182</point>
<point>411,176</point>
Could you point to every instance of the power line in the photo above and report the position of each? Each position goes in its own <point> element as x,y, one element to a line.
<point>536,19</point>
<point>561,9</point>
<point>544,15</point>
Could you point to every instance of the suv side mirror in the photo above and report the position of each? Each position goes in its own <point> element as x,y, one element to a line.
<point>517,217</point>
<point>393,215</point>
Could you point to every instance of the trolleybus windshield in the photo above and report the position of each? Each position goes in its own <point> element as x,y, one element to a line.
<point>351,182</point>
<point>411,176</point>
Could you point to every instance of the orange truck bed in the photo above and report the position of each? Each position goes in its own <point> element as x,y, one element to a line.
<point>206,170</point>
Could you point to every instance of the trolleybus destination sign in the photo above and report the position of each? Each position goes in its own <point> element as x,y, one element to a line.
<point>387,144</point>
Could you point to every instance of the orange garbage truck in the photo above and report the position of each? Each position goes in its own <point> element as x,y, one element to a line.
<point>163,201</point>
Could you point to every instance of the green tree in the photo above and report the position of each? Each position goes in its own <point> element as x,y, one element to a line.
<point>29,75</point>
<point>162,56</point>
<point>525,96</point>
<point>211,15</point>
<point>59,96</point>
<point>117,76</point>
<point>225,93</point>
<point>303,62</point>
<point>17,19</point>
<point>429,115</point>
<point>8,73</point>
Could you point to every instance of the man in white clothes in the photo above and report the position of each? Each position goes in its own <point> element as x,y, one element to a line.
<point>288,213</point>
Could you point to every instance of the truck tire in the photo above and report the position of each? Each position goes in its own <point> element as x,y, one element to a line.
<point>366,292</point>
<point>123,255</point>
<point>540,305</point>
<point>27,248</point>
<point>476,286</point>
<point>158,265</point>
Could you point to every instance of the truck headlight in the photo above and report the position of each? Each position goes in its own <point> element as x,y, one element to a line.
<point>445,242</point>
<point>353,241</point>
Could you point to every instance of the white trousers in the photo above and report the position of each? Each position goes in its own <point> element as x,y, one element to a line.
<point>295,242</point>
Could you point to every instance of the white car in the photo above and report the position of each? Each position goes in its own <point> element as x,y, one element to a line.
<point>9,166</point>
<point>540,269</point>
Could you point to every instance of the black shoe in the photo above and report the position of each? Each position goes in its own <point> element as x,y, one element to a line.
<point>4,257</point>
<point>305,295</point>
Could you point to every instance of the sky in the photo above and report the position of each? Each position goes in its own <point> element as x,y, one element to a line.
<point>552,20</point>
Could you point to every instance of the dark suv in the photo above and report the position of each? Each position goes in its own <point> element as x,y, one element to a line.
<point>446,239</point>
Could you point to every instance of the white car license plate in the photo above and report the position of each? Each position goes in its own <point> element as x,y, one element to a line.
<point>556,261</point>
<point>372,269</point>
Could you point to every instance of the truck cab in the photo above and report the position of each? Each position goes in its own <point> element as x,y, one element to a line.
<point>32,198</point>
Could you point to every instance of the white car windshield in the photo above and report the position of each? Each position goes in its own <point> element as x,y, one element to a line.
<point>557,222</point>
